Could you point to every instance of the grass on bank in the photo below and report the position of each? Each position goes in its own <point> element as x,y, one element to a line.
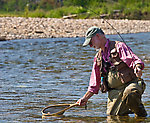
<point>55,13</point>
<point>114,10</point>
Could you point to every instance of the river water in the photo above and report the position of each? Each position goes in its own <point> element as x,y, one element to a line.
<point>36,73</point>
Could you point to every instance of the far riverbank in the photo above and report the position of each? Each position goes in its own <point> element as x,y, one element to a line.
<point>28,28</point>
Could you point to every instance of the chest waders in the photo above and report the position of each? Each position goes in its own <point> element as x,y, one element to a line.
<point>124,88</point>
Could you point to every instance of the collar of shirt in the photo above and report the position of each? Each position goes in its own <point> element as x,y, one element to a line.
<point>106,54</point>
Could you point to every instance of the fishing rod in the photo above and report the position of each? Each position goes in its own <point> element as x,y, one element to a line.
<point>116,32</point>
<point>108,24</point>
<point>112,28</point>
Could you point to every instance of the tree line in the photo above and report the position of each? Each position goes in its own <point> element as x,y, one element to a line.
<point>58,8</point>
<point>19,5</point>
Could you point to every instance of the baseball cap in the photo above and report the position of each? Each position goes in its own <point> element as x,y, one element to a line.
<point>92,31</point>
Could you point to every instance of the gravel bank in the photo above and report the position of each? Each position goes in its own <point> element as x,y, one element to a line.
<point>26,28</point>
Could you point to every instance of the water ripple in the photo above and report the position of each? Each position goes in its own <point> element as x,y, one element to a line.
<point>38,72</point>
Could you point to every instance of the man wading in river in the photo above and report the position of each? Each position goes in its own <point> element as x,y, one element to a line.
<point>116,70</point>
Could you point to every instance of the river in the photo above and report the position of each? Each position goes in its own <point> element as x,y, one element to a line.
<point>35,73</point>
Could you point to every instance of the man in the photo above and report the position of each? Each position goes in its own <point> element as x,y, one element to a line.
<point>116,70</point>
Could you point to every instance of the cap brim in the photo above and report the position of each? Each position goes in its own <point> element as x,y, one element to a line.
<point>86,42</point>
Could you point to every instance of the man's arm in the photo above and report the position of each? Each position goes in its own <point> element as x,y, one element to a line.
<point>127,56</point>
<point>94,84</point>
<point>85,98</point>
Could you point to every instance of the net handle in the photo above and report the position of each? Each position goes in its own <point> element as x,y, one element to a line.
<point>59,112</point>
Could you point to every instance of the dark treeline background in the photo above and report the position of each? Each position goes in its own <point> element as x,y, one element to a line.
<point>19,5</point>
<point>132,9</point>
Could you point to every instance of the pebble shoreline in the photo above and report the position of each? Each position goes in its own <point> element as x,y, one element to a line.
<point>28,28</point>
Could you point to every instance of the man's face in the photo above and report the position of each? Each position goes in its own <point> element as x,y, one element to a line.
<point>96,41</point>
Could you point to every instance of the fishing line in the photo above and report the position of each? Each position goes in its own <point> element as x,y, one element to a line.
<point>115,30</point>
<point>112,28</point>
<point>107,23</point>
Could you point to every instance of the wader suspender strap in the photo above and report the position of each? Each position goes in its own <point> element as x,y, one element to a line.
<point>113,44</point>
<point>104,85</point>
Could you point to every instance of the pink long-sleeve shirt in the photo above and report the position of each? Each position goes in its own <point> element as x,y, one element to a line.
<point>125,54</point>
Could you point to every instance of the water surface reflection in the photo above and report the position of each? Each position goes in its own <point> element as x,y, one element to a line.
<point>39,72</point>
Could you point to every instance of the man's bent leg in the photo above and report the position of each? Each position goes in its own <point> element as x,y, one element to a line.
<point>132,98</point>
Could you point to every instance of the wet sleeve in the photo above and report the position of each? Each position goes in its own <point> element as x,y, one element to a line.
<point>127,56</point>
<point>94,79</point>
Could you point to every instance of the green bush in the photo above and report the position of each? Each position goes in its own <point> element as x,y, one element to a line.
<point>63,11</point>
<point>132,9</point>
<point>38,13</point>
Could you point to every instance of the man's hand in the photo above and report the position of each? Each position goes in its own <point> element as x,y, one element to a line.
<point>138,71</point>
<point>84,99</point>
<point>82,102</point>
